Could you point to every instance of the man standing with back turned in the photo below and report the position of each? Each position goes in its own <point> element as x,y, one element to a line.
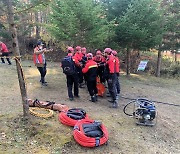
<point>69,69</point>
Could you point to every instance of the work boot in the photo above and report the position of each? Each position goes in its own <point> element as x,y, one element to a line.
<point>44,84</point>
<point>93,99</point>
<point>41,81</point>
<point>77,96</point>
<point>110,100</point>
<point>96,97</point>
<point>71,98</point>
<point>114,104</point>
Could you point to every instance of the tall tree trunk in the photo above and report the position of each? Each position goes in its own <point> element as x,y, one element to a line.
<point>17,53</point>
<point>37,25</point>
<point>128,61</point>
<point>175,56</point>
<point>158,69</point>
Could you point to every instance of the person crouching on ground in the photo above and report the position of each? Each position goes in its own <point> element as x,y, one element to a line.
<point>4,52</point>
<point>91,72</point>
<point>40,61</point>
<point>69,69</point>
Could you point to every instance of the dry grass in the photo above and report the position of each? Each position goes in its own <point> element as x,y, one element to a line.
<point>50,136</point>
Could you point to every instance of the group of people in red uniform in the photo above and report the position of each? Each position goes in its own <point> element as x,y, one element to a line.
<point>104,65</point>
<point>87,68</point>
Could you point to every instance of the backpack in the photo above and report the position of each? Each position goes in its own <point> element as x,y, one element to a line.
<point>68,65</point>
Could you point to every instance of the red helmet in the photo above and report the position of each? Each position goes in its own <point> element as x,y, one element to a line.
<point>83,49</point>
<point>108,50</point>
<point>70,49</point>
<point>78,48</point>
<point>114,52</point>
<point>89,56</point>
<point>98,52</point>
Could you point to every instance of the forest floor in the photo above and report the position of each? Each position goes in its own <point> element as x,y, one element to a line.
<point>49,136</point>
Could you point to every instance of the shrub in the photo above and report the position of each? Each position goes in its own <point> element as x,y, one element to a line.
<point>172,71</point>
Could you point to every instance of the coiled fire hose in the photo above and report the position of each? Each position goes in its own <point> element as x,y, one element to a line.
<point>71,116</point>
<point>90,133</point>
<point>34,111</point>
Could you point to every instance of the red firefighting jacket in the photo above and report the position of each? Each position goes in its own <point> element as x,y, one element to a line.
<point>111,61</point>
<point>91,70</point>
<point>117,65</point>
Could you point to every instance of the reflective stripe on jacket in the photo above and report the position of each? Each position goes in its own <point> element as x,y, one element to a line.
<point>91,70</point>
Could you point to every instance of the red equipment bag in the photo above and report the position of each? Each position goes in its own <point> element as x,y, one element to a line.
<point>100,87</point>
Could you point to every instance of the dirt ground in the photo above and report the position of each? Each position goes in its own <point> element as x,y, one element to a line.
<point>49,136</point>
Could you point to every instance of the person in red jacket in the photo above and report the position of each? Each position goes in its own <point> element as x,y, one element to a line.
<point>83,62</point>
<point>111,76</point>
<point>100,60</point>
<point>70,51</point>
<point>40,61</point>
<point>91,71</point>
<point>84,55</point>
<point>78,56</point>
<point>117,65</point>
<point>78,53</point>
<point>4,52</point>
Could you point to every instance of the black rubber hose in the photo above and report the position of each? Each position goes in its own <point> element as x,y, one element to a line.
<point>124,109</point>
<point>177,105</point>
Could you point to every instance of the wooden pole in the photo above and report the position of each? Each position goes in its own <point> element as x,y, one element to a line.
<point>128,62</point>
<point>158,69</point>
<point>16,52</point>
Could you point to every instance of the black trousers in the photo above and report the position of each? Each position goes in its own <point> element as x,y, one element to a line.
<point>118,87</point>
<point>42,71</point>
<point>112,79</point>
<point>92,89</point>
<point>5,54</point>
<point>100,73</point>
<point>80,74</point>
<point>72,80</point>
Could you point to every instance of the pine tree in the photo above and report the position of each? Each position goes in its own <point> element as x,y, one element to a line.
<point>79,22</point>
<point>141,27</point>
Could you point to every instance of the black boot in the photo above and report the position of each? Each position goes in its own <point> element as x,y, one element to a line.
<point>96,97</point>
<point>93,99</point>
<point>9,62</point>
<point>110,100</point>
<point>114,104</point>
<point>43,82</point>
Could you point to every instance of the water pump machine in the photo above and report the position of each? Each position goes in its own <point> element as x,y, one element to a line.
<point>144,111</point>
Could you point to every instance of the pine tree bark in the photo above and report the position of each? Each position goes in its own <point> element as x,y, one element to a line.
<point>158,69</point>
<point>128,62</point>
<point>16,52</point>
<point>175,56</point>
<point>37,25</point>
